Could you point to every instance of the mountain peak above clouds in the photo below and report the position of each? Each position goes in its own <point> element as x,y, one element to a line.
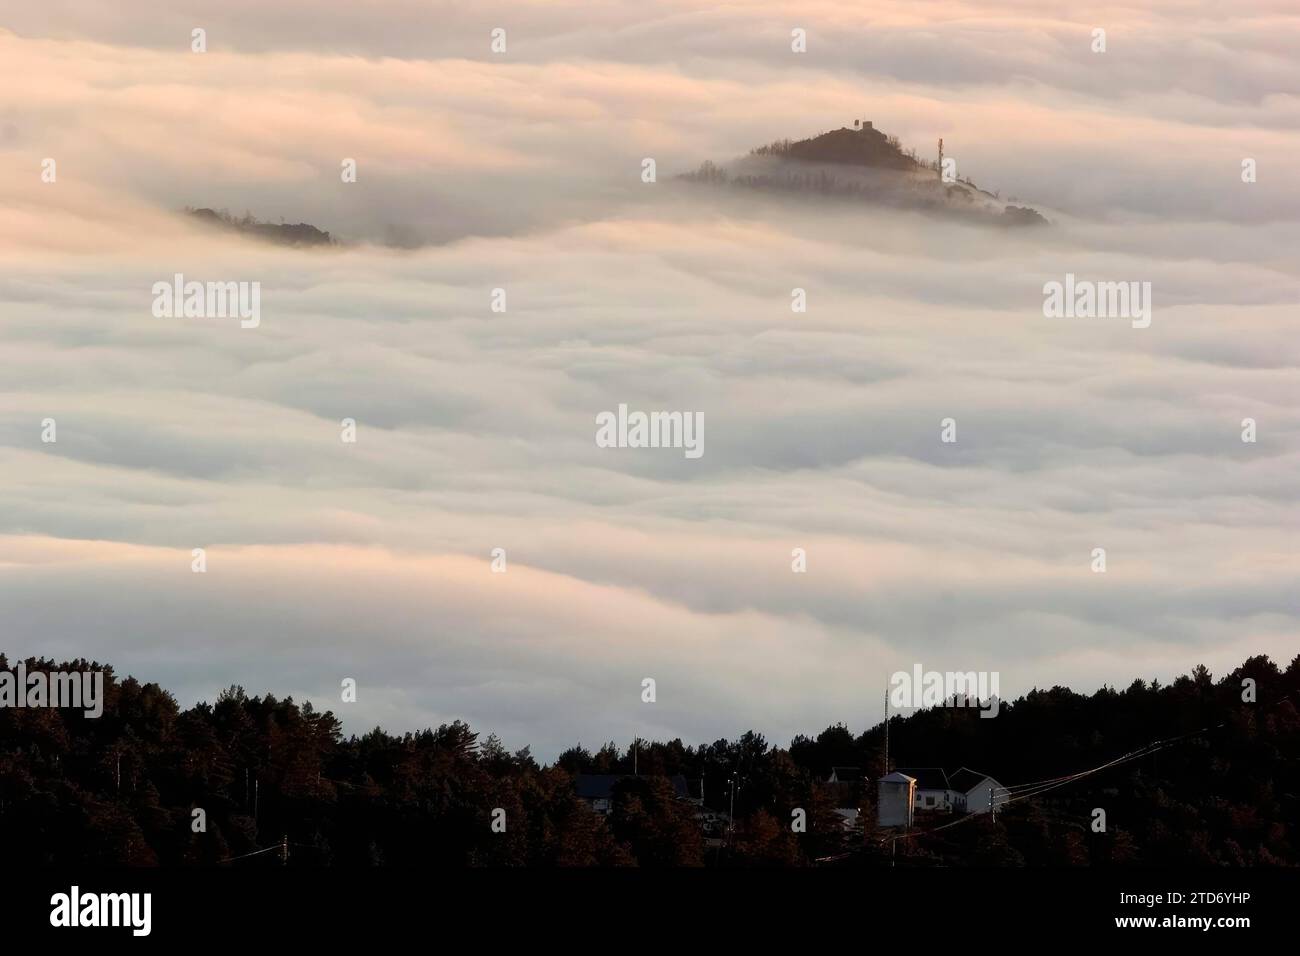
<point>866,164</point>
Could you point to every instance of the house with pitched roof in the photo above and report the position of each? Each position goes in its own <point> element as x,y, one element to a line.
<point>933,791</point>
<point>978,792</point>
<point>965,791</point>
<point>597,789</point>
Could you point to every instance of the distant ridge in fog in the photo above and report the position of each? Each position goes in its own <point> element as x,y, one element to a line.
<point>285,234</point>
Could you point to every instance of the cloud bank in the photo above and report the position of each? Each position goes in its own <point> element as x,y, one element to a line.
<point>476,428</point>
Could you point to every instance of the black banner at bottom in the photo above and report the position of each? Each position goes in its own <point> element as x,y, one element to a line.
<point>297,904</point>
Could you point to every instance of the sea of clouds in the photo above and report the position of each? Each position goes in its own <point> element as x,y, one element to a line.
<point>476,429</point>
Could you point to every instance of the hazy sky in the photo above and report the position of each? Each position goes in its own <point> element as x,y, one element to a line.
<point>476,429</point>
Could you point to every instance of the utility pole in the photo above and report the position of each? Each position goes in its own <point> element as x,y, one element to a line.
<point>941,160</point>
<point>731,815</point>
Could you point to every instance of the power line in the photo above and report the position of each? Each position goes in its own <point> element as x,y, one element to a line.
<point>1024,791</point>
<point>1030,790</point>
<point>242,856</point>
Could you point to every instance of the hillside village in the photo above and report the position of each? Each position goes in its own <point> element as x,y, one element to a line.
<point>899,797</point>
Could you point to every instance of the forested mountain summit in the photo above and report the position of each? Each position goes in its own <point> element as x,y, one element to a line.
<point>862,163</point>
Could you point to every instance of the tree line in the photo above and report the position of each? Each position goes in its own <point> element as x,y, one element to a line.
<point>149,783</point>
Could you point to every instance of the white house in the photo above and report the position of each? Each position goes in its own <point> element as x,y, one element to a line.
<point>965,791</point>
<point>977,792</point>
<point>933,790</point>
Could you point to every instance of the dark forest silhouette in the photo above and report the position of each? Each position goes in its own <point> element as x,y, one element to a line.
<point>282,233</point>
<point>120,789</point>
